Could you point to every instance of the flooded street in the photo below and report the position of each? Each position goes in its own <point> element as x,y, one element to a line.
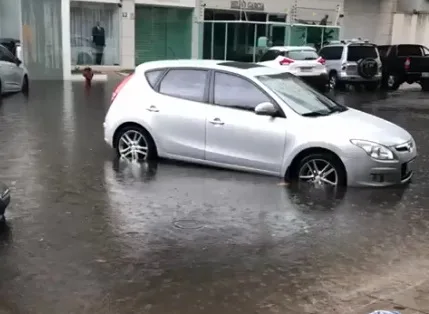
<point>88,234</point>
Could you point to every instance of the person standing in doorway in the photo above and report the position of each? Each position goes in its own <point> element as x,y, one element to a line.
<point>99,40</point>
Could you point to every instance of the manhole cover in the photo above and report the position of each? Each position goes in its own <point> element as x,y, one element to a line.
<point>188,224</point>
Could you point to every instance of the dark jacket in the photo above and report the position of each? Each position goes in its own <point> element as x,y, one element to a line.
<point>98,36</point>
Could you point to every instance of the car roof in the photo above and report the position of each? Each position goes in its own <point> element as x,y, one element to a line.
<point>243,68</point>
<point>292,48</point>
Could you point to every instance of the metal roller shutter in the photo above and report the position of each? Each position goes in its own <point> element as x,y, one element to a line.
<point>162,33</point>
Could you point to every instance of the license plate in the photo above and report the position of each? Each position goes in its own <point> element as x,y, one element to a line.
<point>425,74</point>
<point>307,69</point>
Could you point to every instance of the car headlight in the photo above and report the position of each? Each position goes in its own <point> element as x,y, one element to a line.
<point>374,150</point>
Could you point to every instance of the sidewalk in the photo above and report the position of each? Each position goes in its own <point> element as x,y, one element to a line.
<point>413,300</point>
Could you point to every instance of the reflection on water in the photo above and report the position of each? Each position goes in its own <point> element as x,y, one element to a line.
<point>232,207</point>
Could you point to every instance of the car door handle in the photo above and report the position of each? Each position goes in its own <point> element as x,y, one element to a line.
<point>152,109</point>
<point>216,121</point>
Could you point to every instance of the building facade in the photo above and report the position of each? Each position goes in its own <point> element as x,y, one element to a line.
<point>57,35</point>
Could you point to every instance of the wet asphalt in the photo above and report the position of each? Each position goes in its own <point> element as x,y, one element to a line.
<point>88,234</point>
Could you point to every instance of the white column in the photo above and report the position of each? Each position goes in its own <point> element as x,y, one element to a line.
<point>127,31</point>
<point>385,22</point>
<point>65,25</point>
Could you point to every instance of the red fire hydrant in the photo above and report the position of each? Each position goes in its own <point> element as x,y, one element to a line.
<point>88,74</point>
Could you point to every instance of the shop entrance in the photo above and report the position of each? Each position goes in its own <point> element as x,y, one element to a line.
<point>245,37</point>
<point>162,33</point>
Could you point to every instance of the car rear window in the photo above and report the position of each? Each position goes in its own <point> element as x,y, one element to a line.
<point>355,53</point>
<point>271,55</point>
<point>302,55</point>
<point>409,50</point>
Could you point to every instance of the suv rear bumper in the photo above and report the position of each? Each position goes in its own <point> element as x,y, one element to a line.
<point>344,77</point>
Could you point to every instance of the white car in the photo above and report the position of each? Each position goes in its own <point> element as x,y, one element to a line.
<point>250,117</point>
<point>13,74</point>
<point>301,61</point>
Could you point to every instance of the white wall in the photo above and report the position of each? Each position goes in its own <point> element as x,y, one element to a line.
<point>360,19</point>
<point>127,42</point>
<point>369,19</point>
<point>10,19</point>
<point>410,29</point>
<point>407,6</point>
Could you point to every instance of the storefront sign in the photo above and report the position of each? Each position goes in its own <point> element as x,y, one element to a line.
<point>247,5</point>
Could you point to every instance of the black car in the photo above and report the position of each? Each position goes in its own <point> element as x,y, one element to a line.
<point>4,200</point>
<point>404,63</point>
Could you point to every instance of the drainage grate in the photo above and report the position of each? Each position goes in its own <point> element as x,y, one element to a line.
<point>188,224</point>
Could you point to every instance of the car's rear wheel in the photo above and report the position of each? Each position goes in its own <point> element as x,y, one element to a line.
<point>393,82</point>
<point>322,169</point>
<point>334,83</point>
<point>135,144</point>
<point>425,85</point>
<point>25,85</point>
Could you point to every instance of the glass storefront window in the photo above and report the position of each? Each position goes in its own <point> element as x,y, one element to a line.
<point>94,37</point>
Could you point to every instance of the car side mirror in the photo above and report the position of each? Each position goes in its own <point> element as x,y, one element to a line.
<point>266,109</point>
<point>18,62</point>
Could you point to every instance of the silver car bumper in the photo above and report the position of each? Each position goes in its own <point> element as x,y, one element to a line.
<point>373,173</point>
<point>350,78</point>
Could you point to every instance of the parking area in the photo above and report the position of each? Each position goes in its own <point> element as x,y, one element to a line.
<point>89,234</point>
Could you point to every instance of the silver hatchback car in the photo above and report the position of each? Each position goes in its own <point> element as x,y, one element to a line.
<point>250,117</point>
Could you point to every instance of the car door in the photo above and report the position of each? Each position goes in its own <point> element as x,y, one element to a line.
<point>15,71</point>
<point>179,114</point>
<point>235,135</point>
<point>332,56</point>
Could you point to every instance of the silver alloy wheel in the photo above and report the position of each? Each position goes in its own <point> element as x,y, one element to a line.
<point>332,82</point>
<point>133,146</point>
<point>391,81</point>
<point>319,172</point>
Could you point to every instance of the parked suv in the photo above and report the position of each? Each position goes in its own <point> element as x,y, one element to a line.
<point>352,62</point>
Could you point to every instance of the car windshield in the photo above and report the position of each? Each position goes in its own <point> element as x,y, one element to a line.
<point>299,96</point>
<point>302,54</point>
<point>355,53</point>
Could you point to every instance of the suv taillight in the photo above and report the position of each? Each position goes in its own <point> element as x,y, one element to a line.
<point>120,87</point>
<point>407,64</point>
<point>321,61</point>
<point>286,61</point>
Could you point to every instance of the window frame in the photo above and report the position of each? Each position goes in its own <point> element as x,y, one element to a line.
<point>162,70</point>
<point>419,46</point>
<point>7,54</point>
<point>280,111</point>
<point>332,47</point>
<point>168,69</point>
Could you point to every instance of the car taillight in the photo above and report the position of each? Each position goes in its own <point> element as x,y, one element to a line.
<point>286,61</point>
<point>407,64</point>
<point>120,86</point>
<point>321,61</point>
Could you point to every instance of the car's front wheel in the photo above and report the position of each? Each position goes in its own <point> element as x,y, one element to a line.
<point>322,169</point>
<point>135,144</point>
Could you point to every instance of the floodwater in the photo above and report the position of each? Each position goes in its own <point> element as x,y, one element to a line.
<point>88,234</point>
